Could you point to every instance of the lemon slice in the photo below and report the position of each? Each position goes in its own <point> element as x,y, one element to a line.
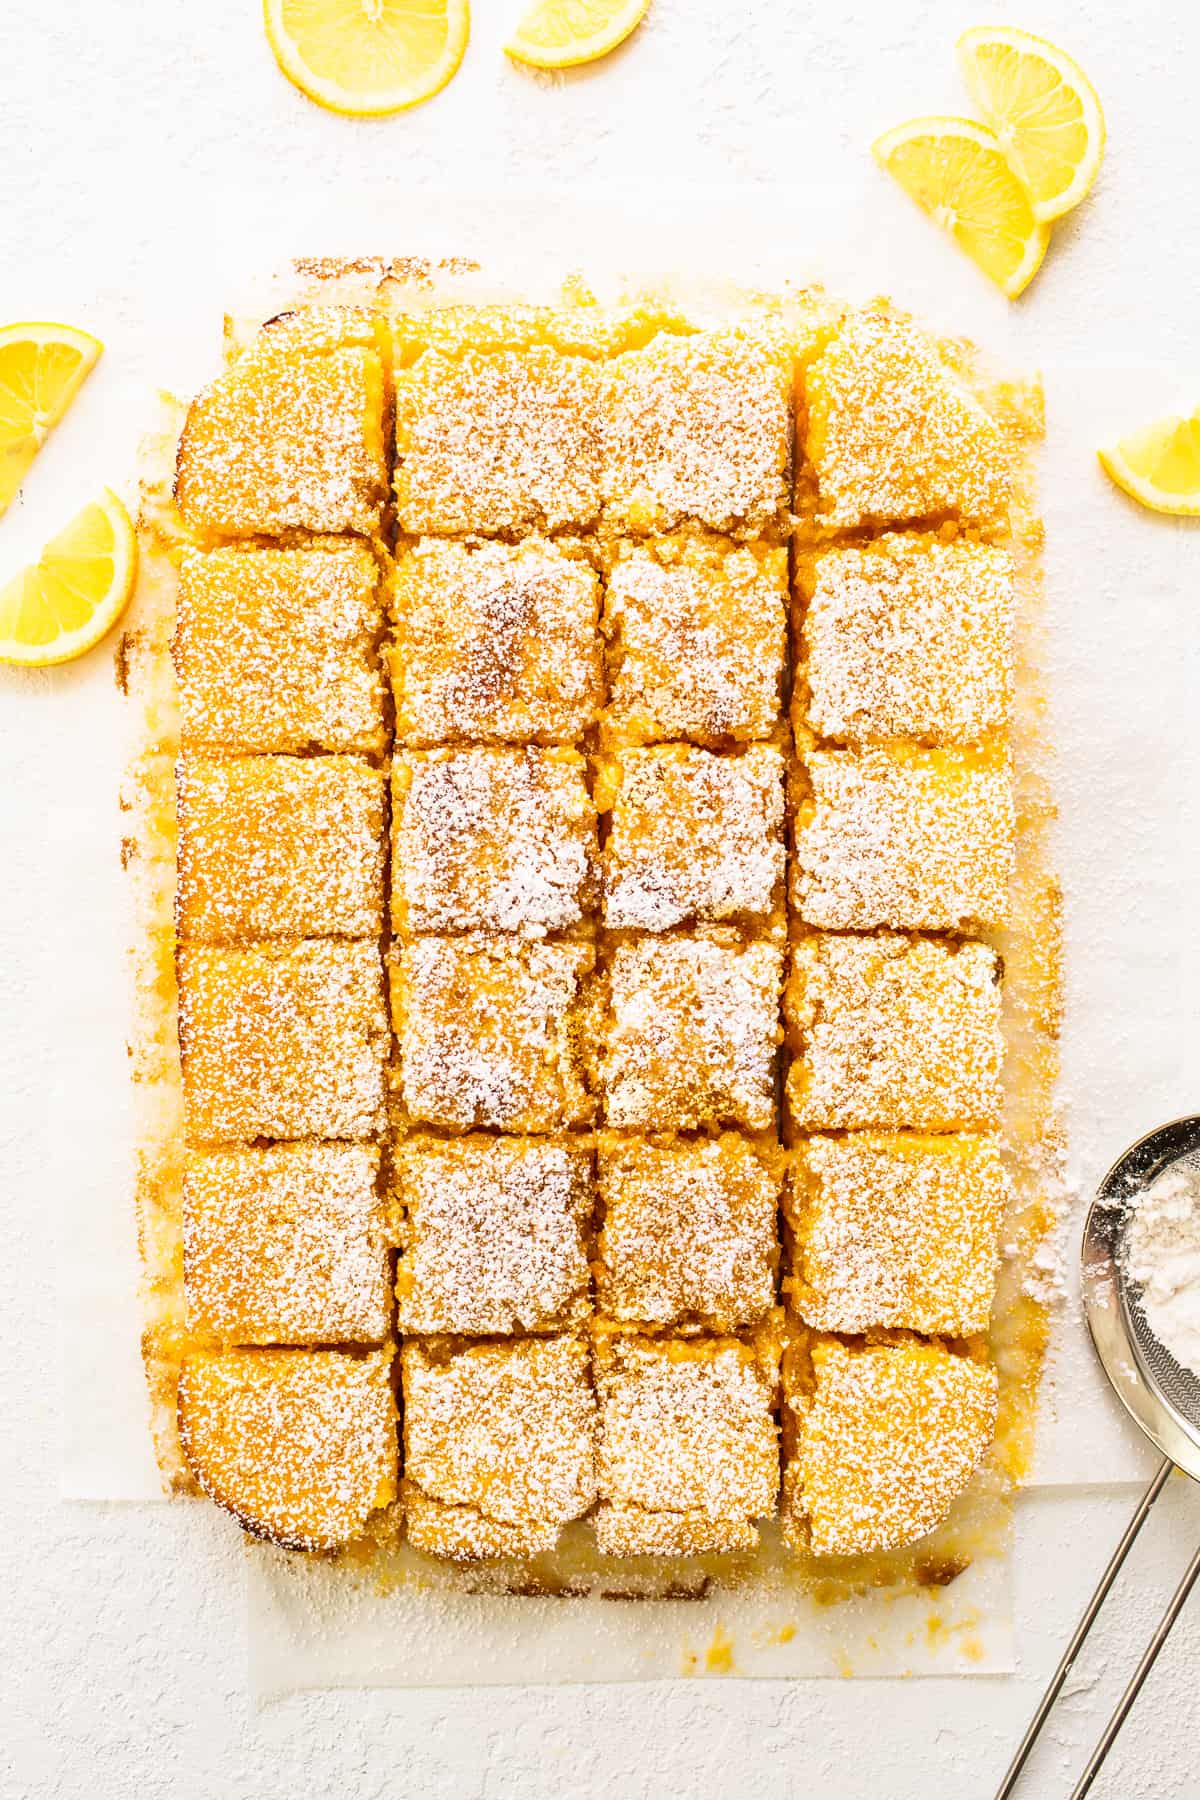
<point>367,57</point>
<point>1043,109</point>
<point>557,34</point>
<point>956,171</point>
<point>80,585</point>
<point>42,368</point>
<point>1160,465</point>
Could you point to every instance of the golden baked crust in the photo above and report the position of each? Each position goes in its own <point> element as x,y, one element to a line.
<point>282,1041</point>
<point>688,1233</point>
<point>503,1434</point>
<point>898,1231</point>
<point>276,649</point>
<point>492,1233</point>
<point>291,436</point>
<point>279,847</point>
<point>489,1033</point>
<point>886,1438</point>
<point>891,436</point>
<point>300,1445</point>
<point>892,1031</point>
<point>491,839</point>
<point>695,633</point>
<point>692,837</point>
<point>284,1244</point>
<point>494,642</point>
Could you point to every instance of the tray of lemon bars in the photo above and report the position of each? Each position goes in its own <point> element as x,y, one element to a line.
<point>598,973</point>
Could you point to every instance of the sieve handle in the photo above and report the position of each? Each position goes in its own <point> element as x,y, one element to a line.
<point>1072,1650</point>
<point>1178,1598</point>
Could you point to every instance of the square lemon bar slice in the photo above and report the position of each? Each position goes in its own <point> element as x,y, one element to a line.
<point>695,630</point>
<point>495,443</point>
<point>689,1232</point>
<point>282,1041</point>
<point>495,643</point>
<point>491,1033</point>
<point>300,1445</point>
<point>890,1032</point>
<point>285,1244</point>
<point>693,836</point>
<point>879,1442</point>
<point>689,1447</point>
<point>491,839</point>
<point>493,1234</point>
<point>693,1031</point>
<point>905,837</point>
<point>276,649</point>
<point>279,846</point>
<point>290,437</point>
<point>896,1231</point>
<point>891,436</point>
<point>697,427</point>
<point>906,637</point>
<point>499,1444</point>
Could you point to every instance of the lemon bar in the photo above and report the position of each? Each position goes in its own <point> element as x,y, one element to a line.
<point>300,1445</point>
<point>582,328</point>
<point>492,1231</point>
<point>495,643</point>
<point>687,1429</point>
<point>697,427</point>
<point>880,1442</point>
<point>285,1244</point>
<point>689,1230</point>
<point>896,1231</point>
<point>282,1041</point>
<point>496,443</point>
<point>905,837</point>
<point>892,436</point>
<point>906,637</point>
<point>695,630</point>
<point>490,1032</point>
<point>290,437</point>
<point>499,1443</point>
<point>890,1032</point>
<point>275,649</point>
<point>279,846</point>
<point>491,839</point>
<point>693,1032</point>
<point>693,836</point>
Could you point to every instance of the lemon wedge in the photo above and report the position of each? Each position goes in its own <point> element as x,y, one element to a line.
<point>1044,111</point>
<point>80,585</point>
<point>1160,465</point>
<point>42,368</point>
<point>558,34</point>
<point>957,172</point>
<point>367,57</point>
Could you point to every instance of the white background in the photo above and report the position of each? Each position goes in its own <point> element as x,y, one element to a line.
<point>152,160</point>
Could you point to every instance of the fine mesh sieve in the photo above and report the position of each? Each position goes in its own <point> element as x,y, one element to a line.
<point>1159,1393</point>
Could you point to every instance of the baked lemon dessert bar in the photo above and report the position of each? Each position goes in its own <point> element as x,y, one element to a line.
<point>591,1041</point>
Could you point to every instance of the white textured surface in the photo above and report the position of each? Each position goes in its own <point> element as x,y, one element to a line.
<point>153,157</point>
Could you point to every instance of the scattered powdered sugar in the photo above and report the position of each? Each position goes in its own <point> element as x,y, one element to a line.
<point>1162,1257</point>
<point>495,642</point>
<point>491,840</point>
<point>697,636</point>
<point>694,836</point>
<point>910,637</point>
<point>493,1234</point>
